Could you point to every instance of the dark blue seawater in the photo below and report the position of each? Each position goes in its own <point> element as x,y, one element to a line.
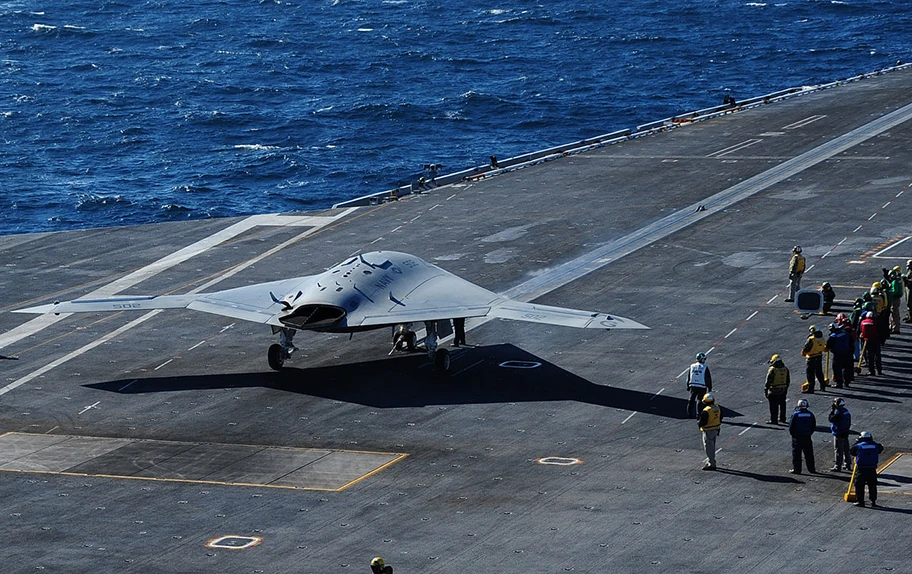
<point>126,112</point>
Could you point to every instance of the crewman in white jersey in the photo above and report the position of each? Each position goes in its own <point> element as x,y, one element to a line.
<point>699,381</point>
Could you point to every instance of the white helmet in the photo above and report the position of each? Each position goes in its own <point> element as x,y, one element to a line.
<point>864,434</point>
<point>802,404</point>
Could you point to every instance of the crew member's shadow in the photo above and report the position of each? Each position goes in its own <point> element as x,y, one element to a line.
<point>491,374</point>
<point>761,477</point>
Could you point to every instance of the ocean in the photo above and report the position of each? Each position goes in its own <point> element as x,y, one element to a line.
<point>123,113</point>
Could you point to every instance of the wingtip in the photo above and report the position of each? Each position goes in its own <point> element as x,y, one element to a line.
<point>39,310</point>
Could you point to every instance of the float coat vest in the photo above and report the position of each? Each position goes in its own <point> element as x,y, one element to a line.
<point>713,418</point>
<point>777,379</point>
<point>803,423</point>
<point>841,421</point>
<point>867,456</point>
<point>813,347</point>
<point>698,375</point>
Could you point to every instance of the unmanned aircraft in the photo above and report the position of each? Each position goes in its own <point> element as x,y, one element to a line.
<point>381,289</point>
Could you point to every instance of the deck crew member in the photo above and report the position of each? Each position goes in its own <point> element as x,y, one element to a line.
<point>840,423</point>
<point>801,427</point>
<point>895,291</point>
<point>459,331</point>
<point>699,381</point>
<point>871,339</point>
<point>907,283</point>
<point>867,455</point>
<point>379,567</point>
<point>828,297</point>
<point>840,345</point>
<point>813,350</point>
<point>796,270</point>
<point>777,384</point>
<point>710,425</point>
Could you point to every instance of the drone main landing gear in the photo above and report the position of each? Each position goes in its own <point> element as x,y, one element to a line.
<point>280,352</point>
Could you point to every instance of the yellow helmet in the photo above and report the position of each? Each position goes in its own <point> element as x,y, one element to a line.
<point>709,399</point>
<point>774,358</point>
<point>875,285</point>
<point>897,268</point>
<point>377,561</point>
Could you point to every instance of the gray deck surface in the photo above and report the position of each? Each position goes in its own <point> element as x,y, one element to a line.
<point>613,229</point>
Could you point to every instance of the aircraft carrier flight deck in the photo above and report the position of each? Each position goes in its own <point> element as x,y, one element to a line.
<point>162,441</point>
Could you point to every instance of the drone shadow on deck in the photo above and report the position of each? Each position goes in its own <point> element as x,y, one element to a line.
<point>478,375</point>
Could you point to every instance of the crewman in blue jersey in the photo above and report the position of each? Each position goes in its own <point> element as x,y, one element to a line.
<point>710,424</point>
<point>699,381</point>
<point>840,423</point>
<point>867,456</point>
<point>801,426</point>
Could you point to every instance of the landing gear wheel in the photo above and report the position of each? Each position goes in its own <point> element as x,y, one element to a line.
<point>441,361</point>
<point>276,356</point>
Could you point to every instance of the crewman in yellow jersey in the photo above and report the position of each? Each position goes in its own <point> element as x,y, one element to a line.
<point>777,384</point>
<point>796,270</point>
<point>813,350</point>
<point>710,424</point>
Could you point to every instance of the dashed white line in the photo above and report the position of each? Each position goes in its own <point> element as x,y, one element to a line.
<point>747,429</point>
<point>730,333</point>
<point>657,394</point>
<point>773,298</point>
<point>225,328</point>
<point>196,345</point>
<point>628,418</point>
<point>395,230</point>
<point>162,365</point>
<point>84,349</point>
<point>844,239</point>
<point>752,315</point>
<point>90,407</point>
<point>376,240</point>
<point>857,228</point>
<point>873,215</point>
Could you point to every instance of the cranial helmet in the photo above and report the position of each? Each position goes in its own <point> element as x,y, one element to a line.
<point>773,359</point>
<point>709,399</point>
<point>838,402</point>
<point>865,434</point>
<point>802,404</point>
<point>701,357</point>
<point>796,249</point>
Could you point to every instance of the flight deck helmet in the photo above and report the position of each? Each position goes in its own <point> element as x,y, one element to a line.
<point>701,357</point>
<point>839,402</point>
<point>802,404</point>
<point>709,399</point>
<point>796,249</point>
<point>773,359</point>
<point>379,567</point>
<point>865,434</point>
